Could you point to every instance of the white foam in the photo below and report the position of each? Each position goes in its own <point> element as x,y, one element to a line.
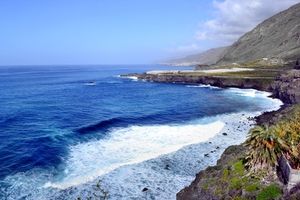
<point>202,86</point>
<point>245,92</point>
<point>270,103</point>
<point>90,84</point>
<point>134,78</point>
<point>136,144</point>
<point>163,183</point>
<point>128,146</point>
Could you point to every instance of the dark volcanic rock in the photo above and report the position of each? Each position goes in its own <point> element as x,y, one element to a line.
<point>271,118</point>
<point>255,83</point>
<point>195,191</point>
<point>287,87</point>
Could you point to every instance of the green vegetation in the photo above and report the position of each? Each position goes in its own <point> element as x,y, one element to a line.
<point>252,188</point>
<point>235,181</point>
<point>270,192</point>
<point>258,73</point>
<point>239,168</point>
<point>248,171</point>
<point>258,63</point>
<point>267,144</point>
<point>264,148</point>
<point>261,73</point>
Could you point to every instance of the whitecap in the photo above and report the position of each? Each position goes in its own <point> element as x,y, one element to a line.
<point>245,92</point>
<point>128,146</point>
<point>202,86</point>
<point>134,78</point>
<point>92,83</point>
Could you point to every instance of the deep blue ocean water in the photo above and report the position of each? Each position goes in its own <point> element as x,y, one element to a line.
<point>46,109</point>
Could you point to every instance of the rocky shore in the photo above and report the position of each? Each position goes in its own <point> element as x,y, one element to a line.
<point>286,87</point>
<point>218,81</point>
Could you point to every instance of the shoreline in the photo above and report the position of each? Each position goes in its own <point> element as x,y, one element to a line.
<point>172,171</point>
<point>164,169</point>
<point>163,176</point>
<point>204,154</point>
<point>285,87</point>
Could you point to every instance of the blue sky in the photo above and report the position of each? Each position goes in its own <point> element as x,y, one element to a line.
<point>108,31</point>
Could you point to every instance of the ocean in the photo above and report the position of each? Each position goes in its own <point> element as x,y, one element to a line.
<point>69,132</point>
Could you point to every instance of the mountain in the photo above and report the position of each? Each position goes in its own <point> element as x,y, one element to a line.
<point>208,57</point>
<point>276,37</point>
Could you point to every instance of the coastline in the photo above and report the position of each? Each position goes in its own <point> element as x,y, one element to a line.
<point>285,87</point>
<point>163,176</point>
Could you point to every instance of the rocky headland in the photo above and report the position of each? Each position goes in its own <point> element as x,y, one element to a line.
<point>285,86</point>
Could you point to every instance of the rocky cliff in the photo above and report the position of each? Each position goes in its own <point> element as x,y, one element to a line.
<point>285,87</point>
<point>218,81</point>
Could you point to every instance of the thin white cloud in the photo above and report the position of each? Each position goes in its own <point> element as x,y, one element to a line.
<point>233,18</point>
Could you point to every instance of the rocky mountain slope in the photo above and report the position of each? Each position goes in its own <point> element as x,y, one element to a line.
<point>208,57</point>
<point>278,36</point>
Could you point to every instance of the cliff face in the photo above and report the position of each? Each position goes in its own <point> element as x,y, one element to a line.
<point>278,36</point>
<point>286,87</point>
<point>255,83</point>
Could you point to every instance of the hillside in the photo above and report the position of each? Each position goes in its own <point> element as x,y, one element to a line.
<point>278,36</point>
<point>208,57</point>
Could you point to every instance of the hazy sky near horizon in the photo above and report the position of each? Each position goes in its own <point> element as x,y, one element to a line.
<point>122,31</point>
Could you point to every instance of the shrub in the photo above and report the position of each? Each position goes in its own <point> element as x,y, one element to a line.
<point>267,144</point>
<point>264,148</point>
<point>252,187</point>
<point>270,192</point>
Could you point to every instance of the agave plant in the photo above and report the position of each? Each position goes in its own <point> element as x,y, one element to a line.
<point>264,148</point>
<point>266,144</point>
